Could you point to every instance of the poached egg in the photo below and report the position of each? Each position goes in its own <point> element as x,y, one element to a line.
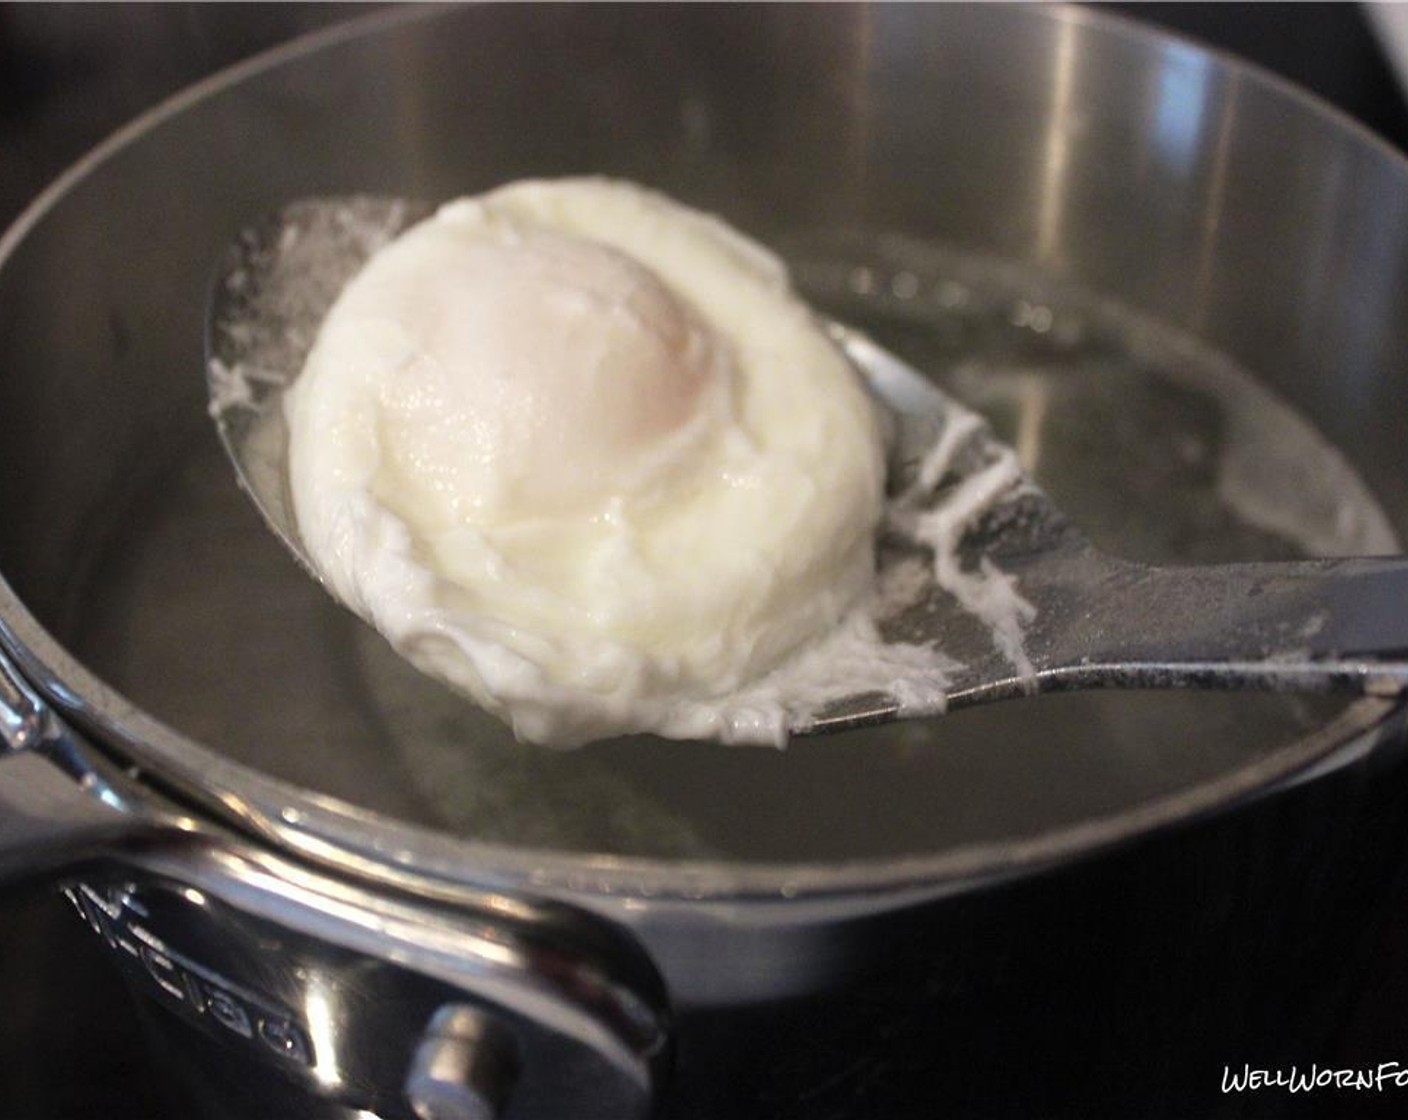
<point>580,452</point>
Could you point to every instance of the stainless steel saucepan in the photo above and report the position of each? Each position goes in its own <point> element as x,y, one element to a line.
<point>1175,284</point>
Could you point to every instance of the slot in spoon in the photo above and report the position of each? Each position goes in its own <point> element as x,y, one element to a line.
<point>1085,619</point>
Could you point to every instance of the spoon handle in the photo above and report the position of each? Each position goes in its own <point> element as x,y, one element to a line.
<point>1304,625</point>
<point>1100,622</point>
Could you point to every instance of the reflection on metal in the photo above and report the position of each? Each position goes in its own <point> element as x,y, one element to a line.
<point>1032,394</point>
<point>1055,159</point>
<point>318,1014</point>
<point>1184,80</point>
<point>1214,202</point>
<point>869,55</point>
<point>24,718</point>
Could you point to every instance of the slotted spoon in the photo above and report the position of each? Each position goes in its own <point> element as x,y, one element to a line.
<point>1095,621</point>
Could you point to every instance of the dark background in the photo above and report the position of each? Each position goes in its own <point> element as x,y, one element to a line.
<point>70,75</point>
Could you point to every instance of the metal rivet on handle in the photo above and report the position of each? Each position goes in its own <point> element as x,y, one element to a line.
<point>463,1068</point>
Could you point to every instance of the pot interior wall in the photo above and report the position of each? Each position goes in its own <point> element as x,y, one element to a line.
<point>893,154</point>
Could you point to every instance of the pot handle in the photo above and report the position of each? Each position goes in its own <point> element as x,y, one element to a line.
<point>56,810</point>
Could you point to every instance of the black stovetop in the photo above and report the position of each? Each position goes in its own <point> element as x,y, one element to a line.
<point>70,74</point>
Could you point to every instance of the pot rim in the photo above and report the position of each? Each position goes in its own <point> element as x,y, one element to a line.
<point>343,836</point>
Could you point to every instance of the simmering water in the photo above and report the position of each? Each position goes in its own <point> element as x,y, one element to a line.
<point>1161,448</point>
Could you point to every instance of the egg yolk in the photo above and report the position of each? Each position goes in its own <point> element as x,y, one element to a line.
<point>541,340</point>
